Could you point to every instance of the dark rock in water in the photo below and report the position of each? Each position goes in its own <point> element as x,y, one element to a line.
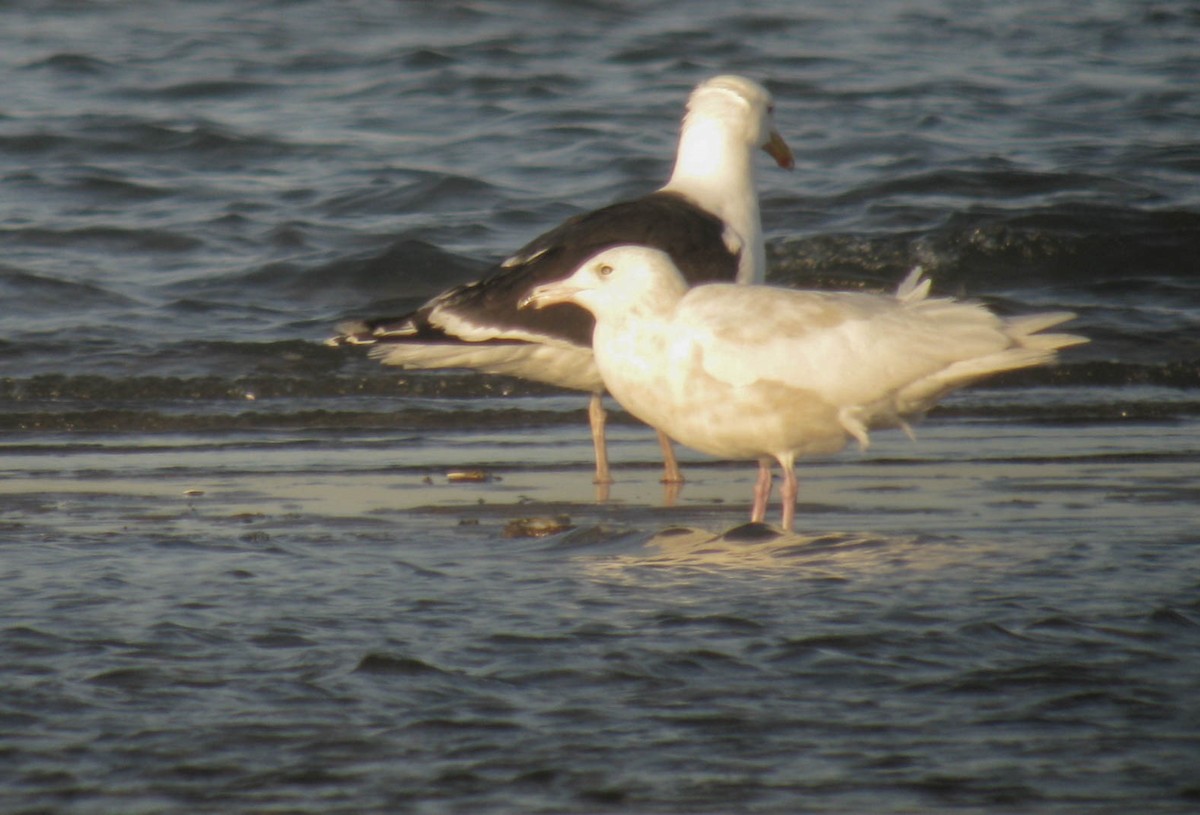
<point>753,532</point>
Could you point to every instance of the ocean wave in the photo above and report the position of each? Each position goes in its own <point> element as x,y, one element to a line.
<point>102,135</point>
<point>398,276</point>
<point>110,237</point>
<point>95,389</point>
<point>115,420</point>
<point>1127,273</point>
<point>71,63</point>
<point>203,89</point>
<point>1056,245</point>
<point>1069,393</point>
<point>39,292</point>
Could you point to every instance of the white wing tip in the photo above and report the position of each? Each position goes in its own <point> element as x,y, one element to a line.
<point>351,332</point>
<point>914,287</point>
<point>1026,331</point>
<point>850,418</point>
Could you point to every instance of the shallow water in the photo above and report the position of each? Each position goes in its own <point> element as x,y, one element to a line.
<point>236,578</point>
<point>999,616</point>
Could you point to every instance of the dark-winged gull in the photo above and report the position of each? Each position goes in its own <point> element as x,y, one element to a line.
<point>706,218</point>
<point>766,372</point>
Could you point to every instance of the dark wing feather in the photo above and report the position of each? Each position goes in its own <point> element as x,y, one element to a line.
<point>694,238</point>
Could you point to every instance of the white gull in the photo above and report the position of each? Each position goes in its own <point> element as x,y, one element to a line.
<point>706,218</point>
<point>765,372</point>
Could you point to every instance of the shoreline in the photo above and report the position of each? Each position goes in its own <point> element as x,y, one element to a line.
<point>954,480</point>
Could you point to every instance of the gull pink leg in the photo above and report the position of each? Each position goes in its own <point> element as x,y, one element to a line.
<point>762,491</point>
<point>788,491</point>
<point>597,418</point>
<point>671,473</point>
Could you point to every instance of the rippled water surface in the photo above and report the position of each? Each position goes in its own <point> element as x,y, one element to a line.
<point>235,576</point>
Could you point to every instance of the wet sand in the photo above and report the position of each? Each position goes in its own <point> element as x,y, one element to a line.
<point>959,477</point>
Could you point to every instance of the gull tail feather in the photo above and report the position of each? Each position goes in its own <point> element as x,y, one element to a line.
<point>1030,348</point>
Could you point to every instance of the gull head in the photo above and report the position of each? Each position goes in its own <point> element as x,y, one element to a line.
<point>627,278</point>
<point>744,106</point>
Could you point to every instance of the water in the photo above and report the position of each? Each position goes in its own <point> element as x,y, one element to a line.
<point>235,577</point>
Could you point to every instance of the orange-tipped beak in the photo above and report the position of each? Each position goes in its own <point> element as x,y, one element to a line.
<point>777,148</point>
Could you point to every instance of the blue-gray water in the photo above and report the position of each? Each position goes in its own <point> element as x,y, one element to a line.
<point>233,574</point>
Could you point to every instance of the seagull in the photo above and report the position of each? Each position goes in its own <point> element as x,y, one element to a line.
<point>764,372</point>
<point>706,218</point>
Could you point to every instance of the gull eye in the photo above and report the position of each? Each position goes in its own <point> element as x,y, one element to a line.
<point>770,110</point>
<point>604,270</point>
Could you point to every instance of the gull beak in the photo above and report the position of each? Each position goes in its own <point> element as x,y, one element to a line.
<point>777,148</point>
<point>548,294</point>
